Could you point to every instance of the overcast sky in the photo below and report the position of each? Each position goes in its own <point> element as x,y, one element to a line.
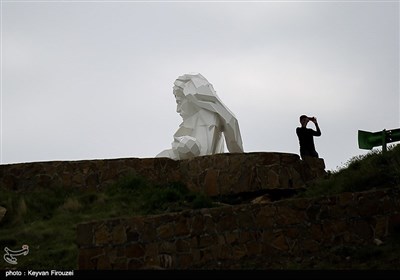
<point>93,80</point>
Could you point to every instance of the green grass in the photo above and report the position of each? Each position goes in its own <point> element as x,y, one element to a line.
<point>46,219</point>
<point>371,171</point>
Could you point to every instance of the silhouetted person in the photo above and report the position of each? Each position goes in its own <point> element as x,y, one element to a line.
<point>306,137</point>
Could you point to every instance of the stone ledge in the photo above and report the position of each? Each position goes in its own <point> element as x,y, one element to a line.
<point>220,174</point>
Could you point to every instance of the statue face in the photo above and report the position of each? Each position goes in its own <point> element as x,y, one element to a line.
<point>184,108</point>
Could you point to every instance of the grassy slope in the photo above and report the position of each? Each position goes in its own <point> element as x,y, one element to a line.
<point>45,219</point>
<point>373,170</point>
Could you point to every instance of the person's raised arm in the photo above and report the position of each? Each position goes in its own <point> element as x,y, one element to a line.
<point>318,132</point>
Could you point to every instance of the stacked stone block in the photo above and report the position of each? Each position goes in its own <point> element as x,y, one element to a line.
<point>222,236</point>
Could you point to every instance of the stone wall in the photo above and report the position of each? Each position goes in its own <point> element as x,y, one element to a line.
<point>219,174</point>
<point>220,237</point>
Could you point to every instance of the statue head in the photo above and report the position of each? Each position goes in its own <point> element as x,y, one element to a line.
<point>189,90</point>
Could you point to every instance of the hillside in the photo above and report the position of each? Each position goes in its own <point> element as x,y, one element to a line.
<point>46,218</point>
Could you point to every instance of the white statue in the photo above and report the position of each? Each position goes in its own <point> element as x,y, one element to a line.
<point>205,118</point>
